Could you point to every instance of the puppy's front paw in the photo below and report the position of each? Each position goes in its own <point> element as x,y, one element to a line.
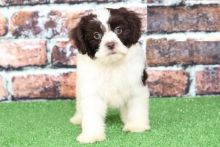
<point>90,138</point>
<point>76,120</point>
<point>135,127</point>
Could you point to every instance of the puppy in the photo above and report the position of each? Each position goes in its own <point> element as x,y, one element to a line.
<point>110,73</point>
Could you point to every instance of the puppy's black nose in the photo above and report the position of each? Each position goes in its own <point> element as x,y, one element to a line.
<point>110,45</point>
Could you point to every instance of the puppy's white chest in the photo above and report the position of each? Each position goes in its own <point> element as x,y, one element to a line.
<point>115,88</point>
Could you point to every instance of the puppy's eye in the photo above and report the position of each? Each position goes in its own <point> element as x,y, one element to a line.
<point>97,35</point>
<point>118,30</point>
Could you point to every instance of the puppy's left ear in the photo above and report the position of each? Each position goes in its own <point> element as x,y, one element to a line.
<point>134,22</point>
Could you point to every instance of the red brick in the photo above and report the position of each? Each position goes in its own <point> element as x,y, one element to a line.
<point>167,83</point>
<point>168,52</point>
<point>59,23</point>
<point>44,86</point>
<point>22,2</point>
<point>3,92</point>
<point>56,23</point>
<point>208,81</point>
<point>178,19</point>
<point>154,1</point>
<point>25,23</point>
<point>64,54</point>
<point>80,1</point>
<point>3,25</point>
<point>21,53</point>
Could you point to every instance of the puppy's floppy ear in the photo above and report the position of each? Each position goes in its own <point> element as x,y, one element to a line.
<point>134,22</point>
<point>76,34</point>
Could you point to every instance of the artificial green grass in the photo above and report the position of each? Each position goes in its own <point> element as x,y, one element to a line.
<point>175,123</point>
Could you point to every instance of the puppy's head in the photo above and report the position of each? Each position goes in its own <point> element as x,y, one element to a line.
<point>107,34</point>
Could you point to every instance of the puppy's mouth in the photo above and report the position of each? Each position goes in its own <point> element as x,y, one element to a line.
<point>112,53</point>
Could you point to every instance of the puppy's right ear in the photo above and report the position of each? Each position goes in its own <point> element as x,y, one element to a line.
<point>76,34</point>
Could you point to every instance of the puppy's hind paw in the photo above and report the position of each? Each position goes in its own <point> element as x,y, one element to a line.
<point>90,138</point>
<point>135,128</point>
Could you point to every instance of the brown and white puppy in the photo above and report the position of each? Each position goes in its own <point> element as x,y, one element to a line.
<point>110,73</point>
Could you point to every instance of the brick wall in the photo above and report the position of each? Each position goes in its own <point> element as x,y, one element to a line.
<point>184,37</point>
<point>37,61</point>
